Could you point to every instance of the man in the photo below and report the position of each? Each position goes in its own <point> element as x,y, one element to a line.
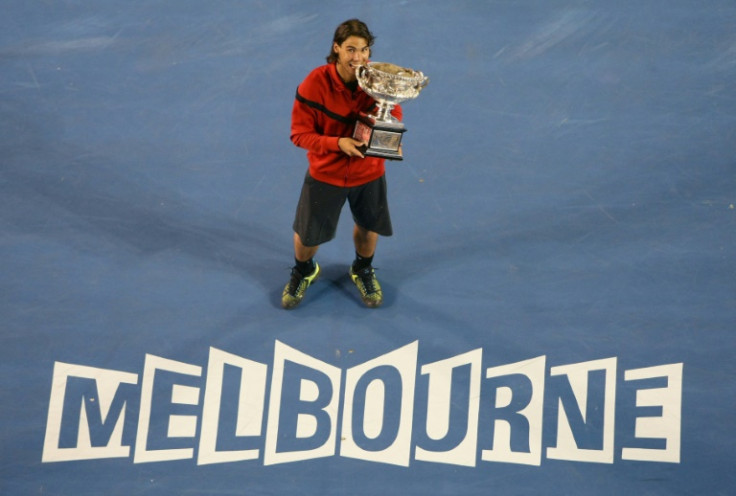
<point>327,104</point>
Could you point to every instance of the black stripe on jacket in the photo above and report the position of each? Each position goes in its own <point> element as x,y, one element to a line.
<point>323,109</point>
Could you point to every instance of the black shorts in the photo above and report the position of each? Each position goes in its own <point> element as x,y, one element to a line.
<point>320,205</point>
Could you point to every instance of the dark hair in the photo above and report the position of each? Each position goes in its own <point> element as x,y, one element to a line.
<point>351,27</point>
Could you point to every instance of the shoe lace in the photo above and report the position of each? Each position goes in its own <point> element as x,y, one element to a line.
<point>295,282</point>
<point>368,279</point>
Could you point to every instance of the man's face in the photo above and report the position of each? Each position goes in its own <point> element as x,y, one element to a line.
<point>353,52</point>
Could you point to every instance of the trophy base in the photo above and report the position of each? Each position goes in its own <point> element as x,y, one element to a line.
<point>383,138</point>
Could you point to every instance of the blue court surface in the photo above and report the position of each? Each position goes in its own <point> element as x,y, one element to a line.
<point>560,288</point>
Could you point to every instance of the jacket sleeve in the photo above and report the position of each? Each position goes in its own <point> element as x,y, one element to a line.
<point>306,131</point>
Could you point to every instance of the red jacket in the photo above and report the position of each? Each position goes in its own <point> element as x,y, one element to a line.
<point>324,111</point>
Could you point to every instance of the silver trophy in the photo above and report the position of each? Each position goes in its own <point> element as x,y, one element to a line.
<point>389,85</point>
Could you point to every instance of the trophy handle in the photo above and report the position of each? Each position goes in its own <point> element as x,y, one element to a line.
<point>424,82</point>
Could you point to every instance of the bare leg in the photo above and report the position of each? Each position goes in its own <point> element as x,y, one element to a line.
<point>301,252</point>
<point>365,241</point>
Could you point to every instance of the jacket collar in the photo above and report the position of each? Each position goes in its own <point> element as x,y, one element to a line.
<point>337,81</point>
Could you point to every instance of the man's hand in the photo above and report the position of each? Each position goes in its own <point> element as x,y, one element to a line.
<point>351,147</point>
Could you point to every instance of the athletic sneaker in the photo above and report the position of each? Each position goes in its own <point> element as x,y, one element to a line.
<point>297,286</point>
<point>370,290</point>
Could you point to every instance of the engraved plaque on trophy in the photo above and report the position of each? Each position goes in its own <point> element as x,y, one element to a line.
<point>389,85</point>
